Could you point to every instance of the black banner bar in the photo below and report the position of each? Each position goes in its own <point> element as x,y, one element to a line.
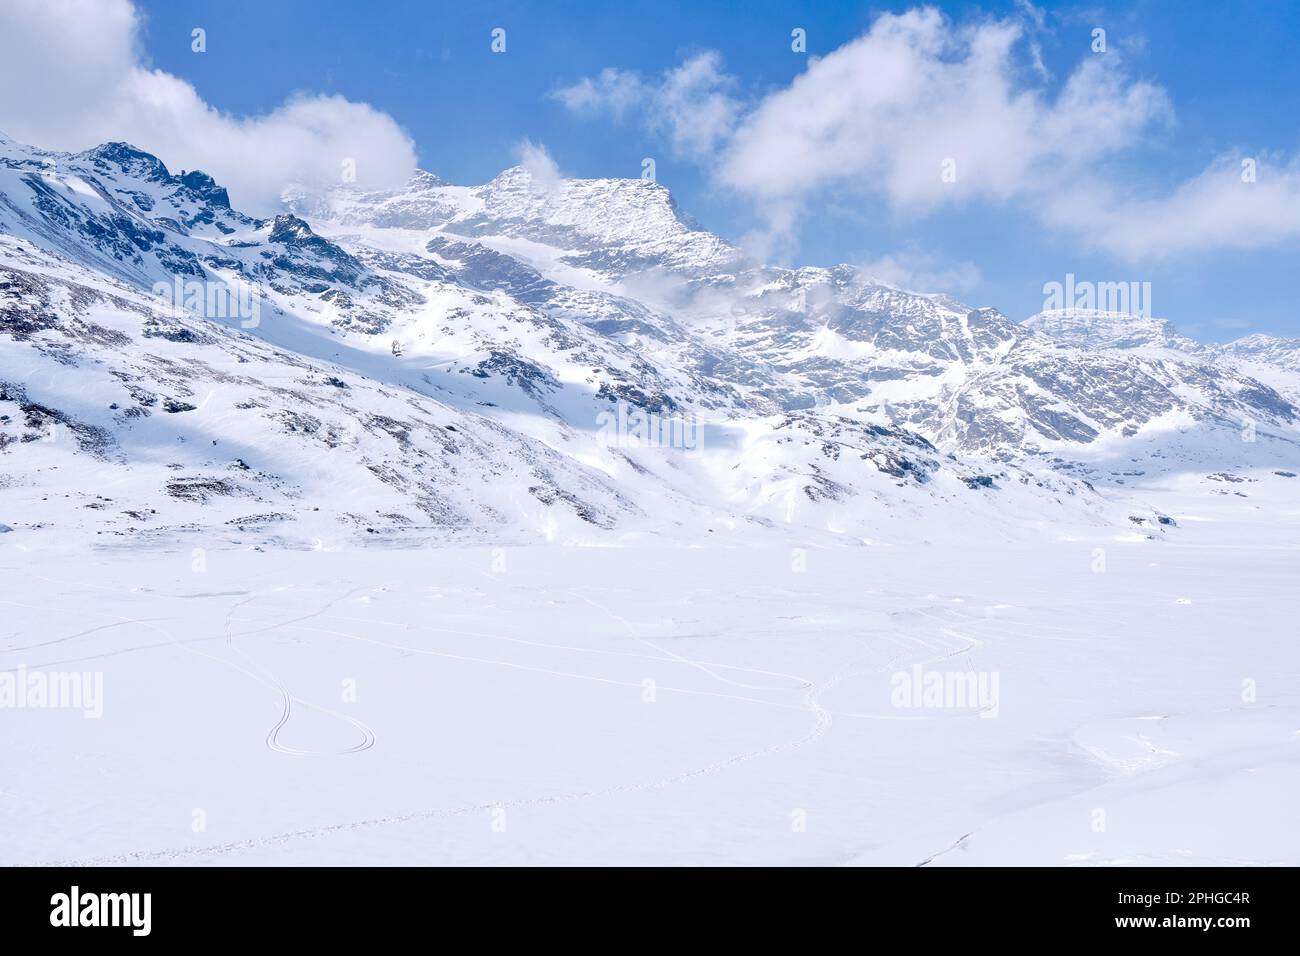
<point>936,907</point>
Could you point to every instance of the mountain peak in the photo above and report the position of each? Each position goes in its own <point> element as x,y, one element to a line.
<point>1269,349</point>
<point>618,225</point>
<point>1264,340</point>
<point>1094,328</point>
<point>131,160</point>
<point>288,228</point>
<point>423,179</point>
<point>206,188</point>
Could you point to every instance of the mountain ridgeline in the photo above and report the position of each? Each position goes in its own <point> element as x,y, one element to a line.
<point>573,361</point>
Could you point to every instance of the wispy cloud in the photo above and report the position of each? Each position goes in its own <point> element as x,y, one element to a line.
<point>613,91</point>
<point>691,105</point>
<point>1237,202</point>
<point>921,271</point>
<point>536,161</point>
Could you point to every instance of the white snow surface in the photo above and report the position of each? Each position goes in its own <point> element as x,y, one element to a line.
<point>369,580</point>
<point>502,713</point>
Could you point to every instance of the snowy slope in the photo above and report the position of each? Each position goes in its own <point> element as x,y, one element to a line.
<point>159,422</point>
<point>497,313</point>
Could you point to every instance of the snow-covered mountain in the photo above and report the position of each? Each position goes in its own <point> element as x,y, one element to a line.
<point>569,359</point>
<point>1266,349</point>
<point>1095,329</point>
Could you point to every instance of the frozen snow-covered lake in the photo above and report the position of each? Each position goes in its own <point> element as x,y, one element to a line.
<point>659,706</point>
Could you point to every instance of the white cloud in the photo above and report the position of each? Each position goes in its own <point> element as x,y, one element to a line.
<point>612,91</point>
<point>915,98</point>
<point>1214,210</point>
<point>84,82</point>
<point>539,166</point>
<point>694,106</point>
<point>691,104</point>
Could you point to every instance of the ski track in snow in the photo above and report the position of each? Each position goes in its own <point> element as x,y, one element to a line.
<point>822,718</point>
<point>934,628</point>
<point>287,699</point>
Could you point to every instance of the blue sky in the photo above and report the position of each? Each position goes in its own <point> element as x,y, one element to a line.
<point>1230,77</point>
